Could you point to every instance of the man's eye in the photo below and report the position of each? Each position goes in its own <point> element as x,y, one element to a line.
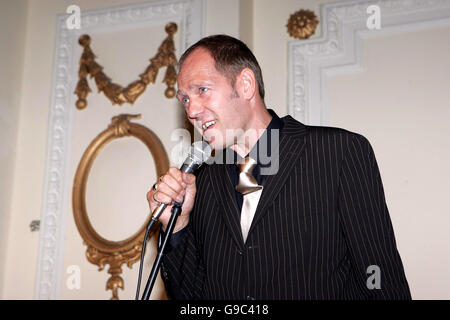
<point>203,89</point>
<point>185,100</point>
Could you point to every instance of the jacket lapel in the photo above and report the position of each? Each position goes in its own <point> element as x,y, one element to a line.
<point>291,147</point>
<point>224,194</point>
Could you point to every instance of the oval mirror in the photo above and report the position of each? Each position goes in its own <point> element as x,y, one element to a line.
<point>102,250</point>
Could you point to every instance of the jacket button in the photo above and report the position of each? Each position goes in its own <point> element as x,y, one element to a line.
<point>250,298</point>
<point>240,252</point>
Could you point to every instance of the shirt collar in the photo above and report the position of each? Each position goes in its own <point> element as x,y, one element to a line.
<point>261,151</point>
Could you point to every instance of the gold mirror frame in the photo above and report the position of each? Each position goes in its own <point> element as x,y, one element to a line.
<point>101,251</point>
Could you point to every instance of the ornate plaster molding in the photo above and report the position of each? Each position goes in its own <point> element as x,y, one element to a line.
<point>189,15</point>
<point>339,47</point>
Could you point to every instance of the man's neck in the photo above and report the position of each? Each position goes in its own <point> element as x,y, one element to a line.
<point>251,136</point>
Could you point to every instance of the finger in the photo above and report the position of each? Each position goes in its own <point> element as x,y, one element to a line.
<point>162,198</point>
<point>188,178</point>
<point>170,196</point>
<point>178,175</point>
<point>175,173</point>
<point>149,196</point>
<point>168,181</point>
<point>171,188</point>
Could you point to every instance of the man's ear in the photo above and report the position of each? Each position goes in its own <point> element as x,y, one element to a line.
<point>247,83</point>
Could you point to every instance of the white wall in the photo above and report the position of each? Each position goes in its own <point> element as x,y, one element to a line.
<point>12,45</point>
<point>270,40</point>
<point>19,248</point>
<point>401,102</point>
<point>407,119</point>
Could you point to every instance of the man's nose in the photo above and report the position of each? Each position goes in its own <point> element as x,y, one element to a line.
<point>194,109</point>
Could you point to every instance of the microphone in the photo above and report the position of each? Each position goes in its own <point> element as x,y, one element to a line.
<point>199,152</point>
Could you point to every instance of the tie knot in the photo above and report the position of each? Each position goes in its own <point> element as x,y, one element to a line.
<point>247,183</point>
<point>247,165</point>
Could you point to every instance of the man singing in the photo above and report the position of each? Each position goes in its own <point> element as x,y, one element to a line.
<point>300,215</point>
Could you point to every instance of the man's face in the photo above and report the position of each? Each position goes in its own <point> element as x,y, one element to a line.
<point>211,104</point>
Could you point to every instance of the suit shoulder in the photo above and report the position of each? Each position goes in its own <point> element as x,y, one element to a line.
<point>327,131</point>
<point>337,133</point>
<point>336,137</point>
<point>292,124</point>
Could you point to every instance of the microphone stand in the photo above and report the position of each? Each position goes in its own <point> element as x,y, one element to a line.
<point>176,211</point>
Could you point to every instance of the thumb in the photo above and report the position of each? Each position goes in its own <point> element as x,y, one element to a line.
<point>188,178</point>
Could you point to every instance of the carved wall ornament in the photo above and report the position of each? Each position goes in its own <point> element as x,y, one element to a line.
<point>165,57</point>
<point>190,17</point>
<point>340,47</point>
<point>101,251</point>
<point>302,24</point>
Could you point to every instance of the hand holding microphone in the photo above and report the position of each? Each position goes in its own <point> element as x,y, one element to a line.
<point>176,184</point>
<point>173,186</point>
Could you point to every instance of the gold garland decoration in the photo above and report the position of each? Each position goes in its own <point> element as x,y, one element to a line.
<point>165,57</point>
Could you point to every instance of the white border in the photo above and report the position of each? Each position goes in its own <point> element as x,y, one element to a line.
<point>190,17</point>
<point>339,48</point>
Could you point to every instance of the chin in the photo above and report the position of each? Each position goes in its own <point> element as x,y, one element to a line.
<point>215,145</point>
<point>217,139</point>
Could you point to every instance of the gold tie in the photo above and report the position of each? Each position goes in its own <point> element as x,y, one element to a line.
<point>251,193</point>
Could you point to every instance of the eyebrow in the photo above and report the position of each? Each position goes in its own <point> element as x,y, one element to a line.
<point>179,93</point>
<point>200,84</point>
<point>193,86</point>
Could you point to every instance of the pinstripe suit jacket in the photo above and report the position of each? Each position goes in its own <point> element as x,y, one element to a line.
<point>320,223</point>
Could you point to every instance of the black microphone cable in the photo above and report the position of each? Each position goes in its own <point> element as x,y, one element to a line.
<point>199,153</point>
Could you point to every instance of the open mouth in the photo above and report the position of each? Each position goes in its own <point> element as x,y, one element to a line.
<point>208,125</point>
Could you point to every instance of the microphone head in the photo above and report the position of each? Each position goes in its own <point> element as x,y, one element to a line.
<point>200,152</point>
